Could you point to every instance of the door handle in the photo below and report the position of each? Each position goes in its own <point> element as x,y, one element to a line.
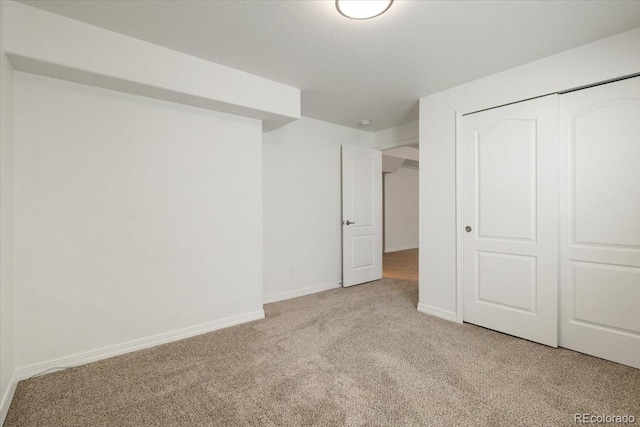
<point>349,222</point>
<point>467,229</point>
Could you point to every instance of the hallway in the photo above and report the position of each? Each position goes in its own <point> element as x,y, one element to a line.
<point>401,265</point>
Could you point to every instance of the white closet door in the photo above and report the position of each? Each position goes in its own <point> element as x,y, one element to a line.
<point>510,211</point>
<point>600,208</point>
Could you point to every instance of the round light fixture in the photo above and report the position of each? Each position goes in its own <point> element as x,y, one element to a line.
<point>362,9</point>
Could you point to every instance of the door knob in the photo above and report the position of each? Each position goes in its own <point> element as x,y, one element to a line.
<point>467,229</point>
<point>349,222</point>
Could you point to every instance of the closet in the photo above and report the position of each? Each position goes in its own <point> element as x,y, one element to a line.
<point>551,217</point>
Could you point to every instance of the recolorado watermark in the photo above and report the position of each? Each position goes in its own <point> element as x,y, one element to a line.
<point>604,419</point>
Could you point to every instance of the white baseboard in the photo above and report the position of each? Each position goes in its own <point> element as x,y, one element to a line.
<point>300,292</point>
<point>7,397</point>
<point>438,312</point>
<point>140,344</point>
<point>400,248</point>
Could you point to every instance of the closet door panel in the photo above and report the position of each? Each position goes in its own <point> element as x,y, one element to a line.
<point>600,212</point>
<point>510,211</point>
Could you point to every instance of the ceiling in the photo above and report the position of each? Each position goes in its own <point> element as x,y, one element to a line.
<point>353,70</point>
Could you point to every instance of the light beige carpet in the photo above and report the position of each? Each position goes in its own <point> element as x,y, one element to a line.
<point>357,356</point>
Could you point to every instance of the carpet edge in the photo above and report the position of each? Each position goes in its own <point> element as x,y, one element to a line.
<point>438,312</point>
<point>281,296</point>
<point>135,345</point>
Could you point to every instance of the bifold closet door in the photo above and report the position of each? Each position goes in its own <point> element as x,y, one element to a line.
<point>510,214</point>
<point>600,211</point>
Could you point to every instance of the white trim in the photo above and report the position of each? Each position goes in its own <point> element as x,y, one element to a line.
<point>400,248</point>
<point>140,344</point>
<point>438,312</point>
<point>300,292</point>
<point>459,223</point>
<point>5,403</point>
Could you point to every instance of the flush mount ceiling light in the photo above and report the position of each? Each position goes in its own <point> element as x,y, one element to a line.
<point>362,9</point>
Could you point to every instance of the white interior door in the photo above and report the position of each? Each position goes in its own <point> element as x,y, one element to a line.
<point>600,240</point>
<point>361,215</point>
<point>510,213</point>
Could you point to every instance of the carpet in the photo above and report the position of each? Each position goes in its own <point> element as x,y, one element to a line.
<point>346,357</point>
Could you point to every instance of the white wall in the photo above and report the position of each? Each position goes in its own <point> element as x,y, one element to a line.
<point>133,217</point>
<point>302,206</point>
<point>401,209</point>
<point>605,59</point>
<point>7,343</point>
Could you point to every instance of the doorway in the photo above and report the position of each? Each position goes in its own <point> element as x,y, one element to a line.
<point>401,212</point>
<point>380,214</point>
